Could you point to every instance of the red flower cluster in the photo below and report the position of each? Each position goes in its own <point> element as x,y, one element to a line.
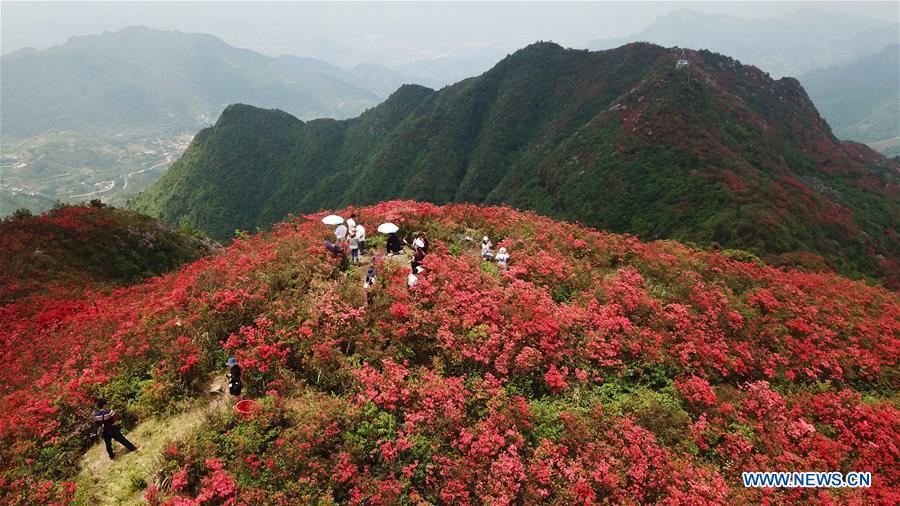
<point>596,369</point>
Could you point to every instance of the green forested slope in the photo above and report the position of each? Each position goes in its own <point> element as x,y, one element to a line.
<point>717,153</point>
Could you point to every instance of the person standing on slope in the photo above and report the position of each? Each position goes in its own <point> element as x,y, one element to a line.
<point>361,237</point>
<point>411,279</point>
<point>486,252</point>
<point>503,259</point>
<point>369,284</point>
<point>108,428</point>
<point>354,249</point>
<point>234,378</point>
<point>418,256</point>
<point>351,225</point>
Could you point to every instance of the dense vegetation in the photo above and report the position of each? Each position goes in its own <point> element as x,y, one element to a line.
<point>715,153</point>
<point>597,369</point>
<point>861,99</point>
<point>73,247</point>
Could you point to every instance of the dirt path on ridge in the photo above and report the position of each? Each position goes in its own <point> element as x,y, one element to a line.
<point>121,481</point>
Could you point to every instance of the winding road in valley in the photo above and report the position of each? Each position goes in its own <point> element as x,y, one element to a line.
<point>112,184</point>
<point>167,161</point>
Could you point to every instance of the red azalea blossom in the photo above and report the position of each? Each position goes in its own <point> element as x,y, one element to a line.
<point>596,369</point>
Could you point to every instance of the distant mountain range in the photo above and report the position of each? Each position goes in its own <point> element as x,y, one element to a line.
<point>712,153</point>
<point>789,45</point>
<point>861,99</point>
<point>143,77</point>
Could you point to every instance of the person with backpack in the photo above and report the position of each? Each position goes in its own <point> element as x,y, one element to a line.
<point>370,278</point>
<point>503,259</point>
<point>107,422</point>
<point>369,284</point>
<point>234,377</point>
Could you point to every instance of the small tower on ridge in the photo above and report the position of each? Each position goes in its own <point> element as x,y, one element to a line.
<point>682,61</point>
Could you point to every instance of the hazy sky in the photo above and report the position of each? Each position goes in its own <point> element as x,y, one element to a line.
<point>390,33</point>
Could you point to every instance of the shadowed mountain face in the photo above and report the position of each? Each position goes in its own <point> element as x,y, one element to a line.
<point>713,153</point>
<point>143,77</point>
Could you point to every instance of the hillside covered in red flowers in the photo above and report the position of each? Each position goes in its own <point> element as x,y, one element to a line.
<point>72,247</point>
<point>596,369</point>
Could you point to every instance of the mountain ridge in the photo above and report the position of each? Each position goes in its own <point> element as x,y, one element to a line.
<point>791,44</point>
<point>620,139</point>
<point>140,76</point>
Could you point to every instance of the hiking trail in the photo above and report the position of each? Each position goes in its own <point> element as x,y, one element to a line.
<point>123,480</point>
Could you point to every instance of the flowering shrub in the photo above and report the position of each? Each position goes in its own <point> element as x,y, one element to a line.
<point>596,369</point>
<point>69,245</point>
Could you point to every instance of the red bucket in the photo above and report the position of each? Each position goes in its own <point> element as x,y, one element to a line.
<point>246,408</point>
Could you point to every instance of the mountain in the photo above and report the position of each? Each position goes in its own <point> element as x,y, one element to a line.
<point>789,45</point>
<point>597,369</point>
<point>861,99</point>
<point>144,77</point>
<point>75,247</point>
<point>714,153</point>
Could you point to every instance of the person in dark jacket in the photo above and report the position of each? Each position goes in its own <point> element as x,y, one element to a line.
<point>234,377</point>
<point>394,244</point>
<point>418,256</point>
<point>370,277</point>
<point>108,428</point>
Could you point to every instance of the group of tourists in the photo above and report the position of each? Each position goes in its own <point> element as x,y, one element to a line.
<point>502,256</point>
<point>353,234</point>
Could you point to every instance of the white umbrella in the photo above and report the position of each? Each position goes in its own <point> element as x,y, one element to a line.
<point>340,232</point>
<point>332,219</point>
<point>388,228</point>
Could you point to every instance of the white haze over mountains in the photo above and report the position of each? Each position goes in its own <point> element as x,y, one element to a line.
<point>410,36</point>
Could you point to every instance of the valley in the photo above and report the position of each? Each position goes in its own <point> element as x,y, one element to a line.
<point>74,166</point>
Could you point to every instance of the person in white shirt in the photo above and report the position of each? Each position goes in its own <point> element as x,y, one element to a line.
<point>351,225</point>
<point>503,259</point>
<point>361,237</point>
<point>486,252</point>
<point>411,279</point>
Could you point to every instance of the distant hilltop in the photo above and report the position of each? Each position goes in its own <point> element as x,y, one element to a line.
<point>714,153</point>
